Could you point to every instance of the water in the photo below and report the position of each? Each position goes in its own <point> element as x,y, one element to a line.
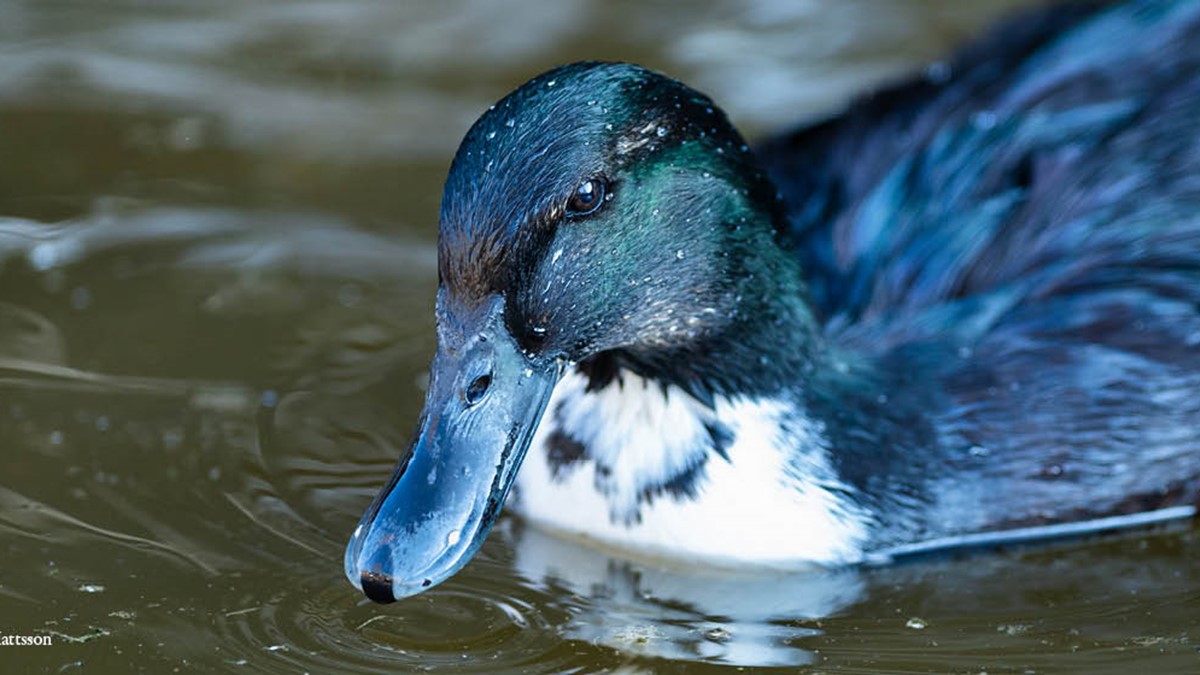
<point>216,275</point>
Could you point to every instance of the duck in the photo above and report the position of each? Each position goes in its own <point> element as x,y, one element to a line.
<point>963,312</point>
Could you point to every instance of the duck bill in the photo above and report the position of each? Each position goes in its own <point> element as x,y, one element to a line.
<point>446,492</point>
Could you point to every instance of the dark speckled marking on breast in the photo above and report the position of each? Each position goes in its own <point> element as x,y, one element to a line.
<point>565,453</point>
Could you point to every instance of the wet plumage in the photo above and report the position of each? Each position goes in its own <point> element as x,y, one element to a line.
<point>969,304</point>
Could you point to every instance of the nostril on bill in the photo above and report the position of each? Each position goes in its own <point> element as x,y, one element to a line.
<point>378,587</point>
<point>477,389</point>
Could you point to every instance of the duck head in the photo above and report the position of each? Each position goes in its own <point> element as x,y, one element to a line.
<point>601,217</point>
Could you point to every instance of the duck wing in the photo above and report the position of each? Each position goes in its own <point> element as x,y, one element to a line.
<point>1032,151</point>
<point>1030,215</point>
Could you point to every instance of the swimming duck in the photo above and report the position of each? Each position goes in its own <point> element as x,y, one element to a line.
<point>965,311</point>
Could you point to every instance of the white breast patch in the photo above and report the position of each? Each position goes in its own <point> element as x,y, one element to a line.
<point>776,501</point>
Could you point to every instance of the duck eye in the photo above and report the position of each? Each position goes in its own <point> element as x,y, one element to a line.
<point>588,198</point>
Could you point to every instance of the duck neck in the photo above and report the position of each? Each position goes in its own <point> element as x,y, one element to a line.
<point>855,422</point>
<point>768,340</point>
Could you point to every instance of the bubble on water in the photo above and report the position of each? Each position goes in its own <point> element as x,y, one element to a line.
<point>680,255</point>
<point>186,134</point>
<point>349,295</point>
<point>917,623</point>
<point>662,131</point>
<point>510,123</point>
<point>91,588</point>
<point>56,438</point>
<point>43,257</point>
<point>172,438</point>
<point>81,297</point>
<point>491,135</point>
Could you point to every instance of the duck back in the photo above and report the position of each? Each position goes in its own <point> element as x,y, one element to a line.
<point>1021,225</point>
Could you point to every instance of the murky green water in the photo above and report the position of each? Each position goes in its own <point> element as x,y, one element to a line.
<point>217,228</point>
